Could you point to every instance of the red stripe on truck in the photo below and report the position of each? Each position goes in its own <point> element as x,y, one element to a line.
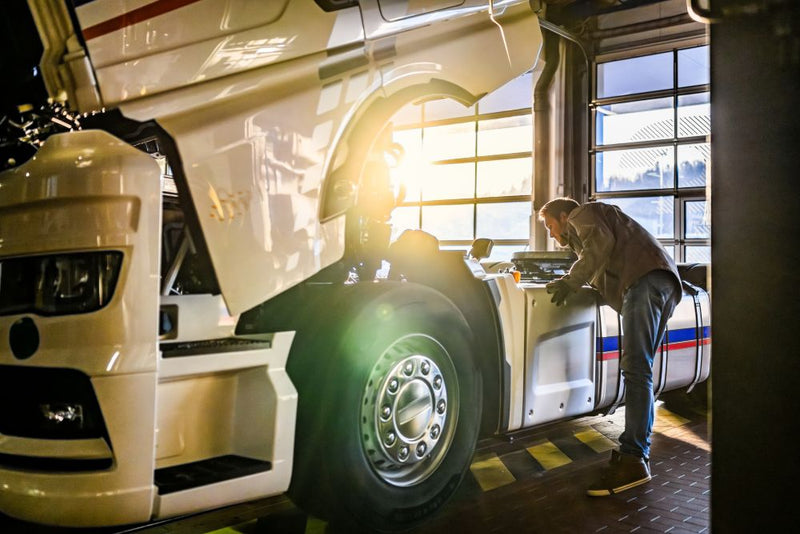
<point>159,7</point>
<point>614,354</point>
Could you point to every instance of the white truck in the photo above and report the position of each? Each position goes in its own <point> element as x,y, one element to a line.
<point>189,310</point>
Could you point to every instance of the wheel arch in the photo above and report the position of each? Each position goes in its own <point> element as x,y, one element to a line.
<point>358,135</point>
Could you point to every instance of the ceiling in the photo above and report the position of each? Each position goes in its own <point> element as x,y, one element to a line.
<point>581,9</point>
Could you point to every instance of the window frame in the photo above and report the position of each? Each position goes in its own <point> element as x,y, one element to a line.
<point>476,118</point>
<point>681,195</point>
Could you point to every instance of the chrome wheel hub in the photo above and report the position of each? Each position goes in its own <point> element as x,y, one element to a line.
<point>407,419</point>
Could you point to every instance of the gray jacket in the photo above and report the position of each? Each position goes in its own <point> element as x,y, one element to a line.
<point>613,250</point>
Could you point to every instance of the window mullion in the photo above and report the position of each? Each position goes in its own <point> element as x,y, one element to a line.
<point>475,176</point>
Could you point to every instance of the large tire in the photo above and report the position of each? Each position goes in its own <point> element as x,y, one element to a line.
<point>389,408</point>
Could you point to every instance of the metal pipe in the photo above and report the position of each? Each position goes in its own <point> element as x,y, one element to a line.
<point>699,13</point>
<point>539,237</point>
<point>541,127</point>
<point>558,30</point>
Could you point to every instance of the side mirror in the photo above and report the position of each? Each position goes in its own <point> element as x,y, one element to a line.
<point>481,248</point>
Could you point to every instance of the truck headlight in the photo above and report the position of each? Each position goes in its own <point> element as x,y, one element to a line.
<point>58,284</point>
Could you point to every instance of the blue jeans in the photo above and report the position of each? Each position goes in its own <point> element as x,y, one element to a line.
<point>646,307</point>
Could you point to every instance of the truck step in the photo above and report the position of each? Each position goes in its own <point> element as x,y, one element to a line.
<point>211,346</point>
<point>204,472</point>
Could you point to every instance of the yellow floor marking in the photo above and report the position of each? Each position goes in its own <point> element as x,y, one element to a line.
<point>672,425</point>
<point>548,455</point>
<point>227,530</point>
<point>315,526</point>
<point>666,419</point>
<point>490,472</point>
<point>594,439</point>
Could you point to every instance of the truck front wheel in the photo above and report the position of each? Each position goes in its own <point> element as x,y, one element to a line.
<point>389,408</point>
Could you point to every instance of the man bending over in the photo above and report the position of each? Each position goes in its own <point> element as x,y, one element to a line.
<point>634,274</point>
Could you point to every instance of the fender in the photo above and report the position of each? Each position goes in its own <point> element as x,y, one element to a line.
<point>447,273</point>
<point>344,165</point>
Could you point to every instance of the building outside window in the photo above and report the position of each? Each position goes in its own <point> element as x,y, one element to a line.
<point>467,171</point>
<point>651,125</point>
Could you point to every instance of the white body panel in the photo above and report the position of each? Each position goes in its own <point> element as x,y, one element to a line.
<point>674,366</point>
<point>165,46</point>
<point>564,361</point>
<point>123,494</point>
<point>559,356</point>
<point>258,113</point>
<point>684,358</point>
<point>394,10</point>
<point>201,317</point>
<point>239,403</point>
<point>50,204</point>
<point>550,350</point>
<point>609,384</point>
<point>689,351</point>
<point>513,312</point>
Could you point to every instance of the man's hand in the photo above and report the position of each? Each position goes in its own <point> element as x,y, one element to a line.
<point>560,290</point>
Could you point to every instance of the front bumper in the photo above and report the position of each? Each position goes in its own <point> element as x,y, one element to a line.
<point>120,494</point>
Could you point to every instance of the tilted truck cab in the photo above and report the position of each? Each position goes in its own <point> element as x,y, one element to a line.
<point>189,238</point>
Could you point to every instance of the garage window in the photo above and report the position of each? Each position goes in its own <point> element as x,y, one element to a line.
<point>467,171</point>
<point>650,151</point>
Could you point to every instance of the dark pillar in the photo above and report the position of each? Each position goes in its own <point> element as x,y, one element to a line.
<point>755,187</point>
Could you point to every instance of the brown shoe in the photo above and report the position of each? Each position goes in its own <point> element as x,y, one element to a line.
<point>624,471</point>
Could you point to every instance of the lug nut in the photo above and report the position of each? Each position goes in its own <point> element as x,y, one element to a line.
<point>402,454</point>
<point>435,431</point>
<point>426,368</point>
<point>409,368</point>
<point>441,406</point>
<point>386,411</point>
<point>437,382</point>
<point>421,448</point>
<point>393,385</point>
<point>390,439</point>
